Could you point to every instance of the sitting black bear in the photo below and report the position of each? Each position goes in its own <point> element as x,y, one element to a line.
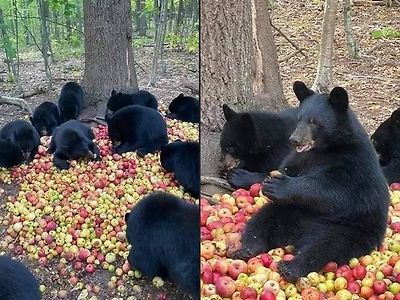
<point>23,136</point>
<point>71,101</point>
<point>46,118</point>
<point>183,159</point>
<point>16,281</point>
<point>164,233</point>
<point>120,100</point>
<point>137,128</point>
<point>331,199</point>
<point>184,108</point>
<point>72,140</point>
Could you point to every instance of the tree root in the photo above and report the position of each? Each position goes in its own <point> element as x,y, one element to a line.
<point>17,102</point>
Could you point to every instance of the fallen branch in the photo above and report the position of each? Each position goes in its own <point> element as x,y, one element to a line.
<point>290,56</point>
<point>289,40</point>
<point>192,88</point>
<point>17,102</point>
<point>38,91</point>
<point>218,182</point>
<point>369,3</point>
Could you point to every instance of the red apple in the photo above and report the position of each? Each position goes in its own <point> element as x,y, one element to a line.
<point>366,292</point>
<point>379,287</point>
<point>359,272</point>
<point>266,259</point>
<point>254,263</point>
<point>236,267</point>
<point>354,287</point>
<point>221,266</point>
<point>267,295</point>
<point>203,217</point>
<point>248,293</point>
<point>225,286</point>
<point>395,186</point>
<point>90,268</point>
<point>330,267</point>
<point>255,189</point>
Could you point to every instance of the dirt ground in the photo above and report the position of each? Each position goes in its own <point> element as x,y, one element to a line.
<point>180,69</point>
<point>373,81</point>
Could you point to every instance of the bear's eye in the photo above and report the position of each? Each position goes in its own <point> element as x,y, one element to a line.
<point>312,121</point>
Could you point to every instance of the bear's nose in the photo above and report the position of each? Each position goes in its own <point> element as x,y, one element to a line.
<point>295,140</point>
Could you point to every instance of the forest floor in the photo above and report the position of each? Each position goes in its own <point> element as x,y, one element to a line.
<point>180,68</point>
<point>373,81</point>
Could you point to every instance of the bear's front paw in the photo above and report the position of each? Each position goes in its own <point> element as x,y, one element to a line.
<point>289,270</point>
<point>276,187</point>
<point>244,254</point>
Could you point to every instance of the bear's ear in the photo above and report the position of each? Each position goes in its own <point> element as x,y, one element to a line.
<point>301,90</point>
<point>339,99</point>
<point>228,112</point>
<point>181,96</point>
<point>31,119</point>
<point>113,93</point>
<point>395,117</point>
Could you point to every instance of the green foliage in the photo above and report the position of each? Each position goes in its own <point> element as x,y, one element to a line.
<point>386,32</point>
<point>68,48</point>
<point>172,40</point>
<point>139,42</point>
<point>192,43</point>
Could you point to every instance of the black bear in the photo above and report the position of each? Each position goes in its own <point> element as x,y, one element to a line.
<point>137,128</point>
<point>71,101</point>
<point>183,159</point>
<point>164,233</point>
<point>184,108</point>
<point>46,118</point>
<point>254,143</point>
<point>24,136</point>
<point>72,140</point>
<point>16,281</point>
<point>9,154</point>
<point>330,199</point>
<point>120,100</point>
<point>386,142</point>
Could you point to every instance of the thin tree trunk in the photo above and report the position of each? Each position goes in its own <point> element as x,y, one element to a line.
<point>79,18</point>
<point>140,18</point>
<point>159,41</point>
<point>179,18</point>
<point>156,14</point>
<point>6,44</point>
<point>26,21</point>
<point>44,36</point>
<point>323,80</point>
<point>56,30</point>
<point>15,67</point>
<point>266,77</point>
<point>108,55</point>
<point>351,43</point>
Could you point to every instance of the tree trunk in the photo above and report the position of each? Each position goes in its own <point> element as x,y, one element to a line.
<point>56,30</point>
<point>323,80</point>
<point>140,18</point>
<point>108,50</point>
<point>266,77</point>
<point>26,22</point>
<point>234,47</point>
<point>179,17</point>
<point>44,38</point>
<point>351,43</point>
<point>159,41</point>
<point>79,18</point>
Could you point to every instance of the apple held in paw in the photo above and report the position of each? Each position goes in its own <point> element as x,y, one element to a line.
<point>255,189</point>
<point>225,286</point>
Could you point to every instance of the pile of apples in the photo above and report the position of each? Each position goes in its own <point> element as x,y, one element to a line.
<point>374,276</point>
<point>77,216</point>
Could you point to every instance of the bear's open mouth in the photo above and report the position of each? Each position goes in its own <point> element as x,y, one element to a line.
<point>304,148</point>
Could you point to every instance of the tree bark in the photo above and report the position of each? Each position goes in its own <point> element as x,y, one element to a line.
<point>140,18</point>
<point>235,43</point>
<point>108,50</point>
<point>44,38</point>
<point>352,47</point>
<point>159,41</point>
<point>179,18</point>
<point>323,80</point>
<point>267,81</point>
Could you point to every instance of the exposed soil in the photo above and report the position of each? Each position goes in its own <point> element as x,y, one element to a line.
<point>180,69</point>
<point>373,81</point>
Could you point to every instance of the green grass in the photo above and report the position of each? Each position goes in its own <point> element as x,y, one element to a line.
<point>386,33</point>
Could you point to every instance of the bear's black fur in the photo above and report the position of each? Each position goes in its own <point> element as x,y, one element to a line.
<point>16,281</point>
<point>331,200</point>
<point>164,233</point>
<point>71,101</point>
<point>9,154</point>
<point>46,118</point>
<point>183,159</point>
<point>24,136</point>
<point>387,144</point>
<point>137,128</point>
<point>255,143</point>
<point>72,140</point>
<point>184,108</point>
<point>120,100</point>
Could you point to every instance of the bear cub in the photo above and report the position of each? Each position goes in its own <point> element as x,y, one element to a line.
<point>184,108</point>
<point>164,233</point>
<point>23,136</point>
<point>120,100</point>
<point>71,101</point>
<point>72,140</point>
<point>254,143</point>
<point>386,142</point>
<point>46,118</point>
<point>9,154</point>
<point>137,128</point>
<point>183,159</point>
<point>330,199</point>
<point>16,281</point>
